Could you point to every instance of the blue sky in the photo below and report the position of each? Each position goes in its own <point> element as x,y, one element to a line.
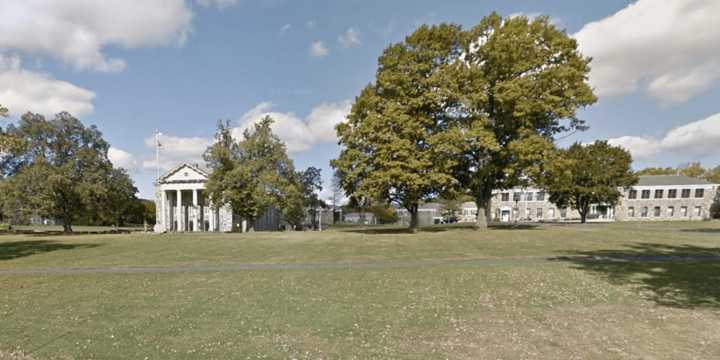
<point>179,66</point>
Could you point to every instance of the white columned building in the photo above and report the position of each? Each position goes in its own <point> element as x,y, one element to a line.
<point>182,205</point>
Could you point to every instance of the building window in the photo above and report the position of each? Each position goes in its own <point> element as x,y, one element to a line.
<point>659,193</point>
<point>657,211</point>
<point>671,211</point>
<point>631,212</point>
<point>683,211</point>
<point>541,196</point>
<point>685,193</point>
<point>516,196</point>
<point>551,213</point>
<point>645,194</point>
<point>672,193</point>
<point>505,196</point>
<point>699,193</point>
<point>632,194</point>
<point>539,213</point>
<point>698,211</point>
<point>563,213</point>
<point>644,212</point>
<point>529,196</point>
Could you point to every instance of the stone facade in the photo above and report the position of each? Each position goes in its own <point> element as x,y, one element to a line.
<point>676,202</point>
<point>654,198</point>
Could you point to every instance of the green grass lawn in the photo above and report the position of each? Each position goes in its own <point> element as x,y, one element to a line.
<point>652,292</point>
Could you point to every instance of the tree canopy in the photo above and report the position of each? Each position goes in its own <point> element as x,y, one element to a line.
<point>254,174</point>
<point>454,109</point>
<point>583,175</point>
<point>60,170</point>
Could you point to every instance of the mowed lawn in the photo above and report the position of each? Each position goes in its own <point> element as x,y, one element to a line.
<point>595,291</point>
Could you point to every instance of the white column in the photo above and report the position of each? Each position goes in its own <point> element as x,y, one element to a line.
<point>196,212</point>
<point>162,220</point>
<point>179,211</point>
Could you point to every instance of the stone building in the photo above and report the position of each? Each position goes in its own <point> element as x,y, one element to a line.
<point>660,197</point>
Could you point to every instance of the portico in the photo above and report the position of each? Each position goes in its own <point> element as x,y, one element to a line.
<point>182,205</point>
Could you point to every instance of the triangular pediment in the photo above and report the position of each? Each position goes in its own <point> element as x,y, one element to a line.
<point>184,173</point>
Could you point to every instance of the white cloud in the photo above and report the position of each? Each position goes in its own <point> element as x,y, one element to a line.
<point>318,49</point>
<point>76,31</point>
<point>122,159</point>
<point>176,150</point>
<point>310,24</point>
<point>350,38</point>
<point>220,4</point>
<point>23,90</point>
<point>285,28</point>
<point>694,140</point>
<point>640,147</point>
<point>297,133</point>
<point>665,49</point>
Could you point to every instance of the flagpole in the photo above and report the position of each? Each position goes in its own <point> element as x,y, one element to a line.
<point>157,155</point>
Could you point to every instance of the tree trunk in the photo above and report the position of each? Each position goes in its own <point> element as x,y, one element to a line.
<point>583,210</point>
<point>483,203</point>
<point>67,228</point>
<point>414,221</point>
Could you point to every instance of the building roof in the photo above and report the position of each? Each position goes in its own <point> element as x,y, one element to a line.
<point>669,180</point>
<point>180,167</point>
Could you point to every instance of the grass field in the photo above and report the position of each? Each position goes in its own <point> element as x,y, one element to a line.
<point>596,291</point>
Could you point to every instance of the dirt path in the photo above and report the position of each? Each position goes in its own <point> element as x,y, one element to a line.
<point>478,262</point>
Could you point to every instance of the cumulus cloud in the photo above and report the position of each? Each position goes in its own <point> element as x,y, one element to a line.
<point>696,139</point>
<point>663,50</point>
<point>640,147</point>
<point>122,159</point>
<point>318,49</point>
<point>220,4</point>
<point>176,150</point>
<point>298,134</point>
<point>22,90</point>
<point>76,31</point>
<point>285,28</point>
<point>350,38</point>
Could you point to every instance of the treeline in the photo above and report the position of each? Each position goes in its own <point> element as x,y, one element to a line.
<point>254,174</point>
<point>694,169</point>
<point>461,112</point>
<point>59,169</point>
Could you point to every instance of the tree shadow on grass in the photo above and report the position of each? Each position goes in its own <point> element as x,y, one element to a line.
<point>18,249</point>
<point>704,231</point>
<point>682,276</point>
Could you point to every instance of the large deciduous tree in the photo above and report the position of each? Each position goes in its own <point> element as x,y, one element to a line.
<point>254,174</point>
<point>522,82</point>
<point>453,109</point>
<point>583,175</point>
<point>394,131</point>
<point>61,170</point>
